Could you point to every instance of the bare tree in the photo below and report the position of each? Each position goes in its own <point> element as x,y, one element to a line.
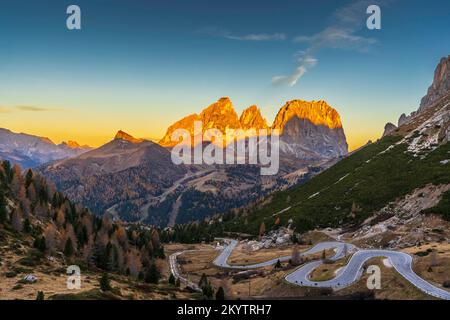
<point>51,238</point>
<point>434,259</point>
<point>16,220</point>
<point>17,181</point>
<point>60,218</point>
<point>70,234</point>
<point>133,263</point>
<point>88,250</point>
<point>155,239</point>
<point>296,256</point>
<point>277,221</point>
<point>262,229</point>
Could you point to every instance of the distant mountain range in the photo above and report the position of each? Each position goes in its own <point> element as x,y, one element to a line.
<point>135,179</point>
<point>31,151</point>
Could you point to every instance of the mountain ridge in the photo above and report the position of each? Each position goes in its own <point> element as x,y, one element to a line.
<point>311,124</point>
<point>31,151</point>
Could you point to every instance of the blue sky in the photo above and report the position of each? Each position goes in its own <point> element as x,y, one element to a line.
<point>141,65</point>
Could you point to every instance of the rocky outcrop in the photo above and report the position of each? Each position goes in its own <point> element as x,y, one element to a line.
<point>125,136</point>
<point>440,85</point>
<point>402,120</point>
<point>251,118</point>
<point>389,128</point>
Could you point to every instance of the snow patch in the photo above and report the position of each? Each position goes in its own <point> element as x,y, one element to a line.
<point>387,263</point>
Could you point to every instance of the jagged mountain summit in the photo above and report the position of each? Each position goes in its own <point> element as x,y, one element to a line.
<point>389,128</point>
<point>127,137</point>
<point>432,119</point>
<point>309,130</point>
<point>31,151</point>
<point>219,115</point>
<point>74,145</point>
<point>317,112</point>
<point>251,118</point>
<point>440,85</point>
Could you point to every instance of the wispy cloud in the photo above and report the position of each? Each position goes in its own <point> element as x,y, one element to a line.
<point>336,38</point>
<point>25,108</point>
<point>340,34</point>
<point>258,37</point>
<point>304,62</point>
<point>222,33</point>
<point>4,110</point>
<point>35,109</point>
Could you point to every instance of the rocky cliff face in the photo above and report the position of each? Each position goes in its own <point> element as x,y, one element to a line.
<point>389,128</point>
<point>251,118</point>
<point>440,85</point>
<point>310,130</point>
<point>317,112</point>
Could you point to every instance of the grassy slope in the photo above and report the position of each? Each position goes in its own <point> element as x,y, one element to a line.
<point>367,178</point>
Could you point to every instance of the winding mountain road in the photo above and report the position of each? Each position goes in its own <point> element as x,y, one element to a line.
<point>176,272</point>
<point>349,274</point>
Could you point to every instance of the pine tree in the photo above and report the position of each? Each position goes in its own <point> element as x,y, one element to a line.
<point>208,291</point>
<point>39,243</point>
<point>16,220</point>
<point>203,281</point>
<point>27,226</point>
<point>220,294</point>
<point>152,275</point>
<point>178,283</point>
<point>105,283</point>
<point>278,264</point>
<point>171,279</point>
<point>28,178</point>
<point>3,212</point>
<point>40,295</point>
<point>8,171</point>
<point>68,249</point>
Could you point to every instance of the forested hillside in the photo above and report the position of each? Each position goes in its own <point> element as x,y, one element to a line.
<point>40,229</point>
